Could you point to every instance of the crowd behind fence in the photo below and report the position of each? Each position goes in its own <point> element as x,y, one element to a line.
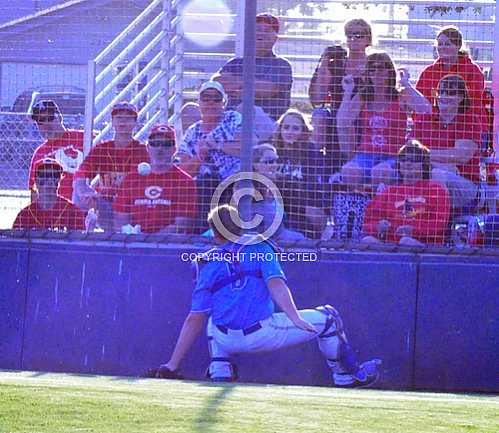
<point>377,131</point>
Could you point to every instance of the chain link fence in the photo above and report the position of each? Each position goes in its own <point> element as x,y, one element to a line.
<point>324,169</point>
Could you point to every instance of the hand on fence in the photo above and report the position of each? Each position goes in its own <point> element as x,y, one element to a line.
<point>348,83</point>
<point>404,77</point>
<point>383,227</point>
<point>204,146</point>
<point>405,230</point>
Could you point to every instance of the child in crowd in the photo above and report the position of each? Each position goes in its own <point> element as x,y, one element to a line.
<point>415,211</point>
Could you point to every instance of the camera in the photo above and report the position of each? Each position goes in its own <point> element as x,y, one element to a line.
<point>337,56</point>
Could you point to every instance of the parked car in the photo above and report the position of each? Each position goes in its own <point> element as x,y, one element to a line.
<point>70,99</point>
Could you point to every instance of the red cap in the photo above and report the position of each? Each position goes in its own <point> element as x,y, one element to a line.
<point>124,107</point>
<point>48,164</point>
<point>162,130</point>
<point>267,18</point>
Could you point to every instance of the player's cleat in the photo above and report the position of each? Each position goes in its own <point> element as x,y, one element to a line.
<point>366,375</point>
<point>226,372</point>
<point>223,379</point>
<point>163,372</point>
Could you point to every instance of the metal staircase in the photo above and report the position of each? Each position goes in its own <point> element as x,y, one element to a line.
<point>143,65</point>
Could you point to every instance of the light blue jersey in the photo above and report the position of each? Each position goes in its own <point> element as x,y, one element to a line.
<point>240,303</point>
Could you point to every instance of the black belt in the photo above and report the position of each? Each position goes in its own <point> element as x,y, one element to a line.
<point>246,331</point>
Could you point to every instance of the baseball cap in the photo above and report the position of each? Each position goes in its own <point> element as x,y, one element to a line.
<point>162,131</point>
<point>124,107</point>
<point>213,85</point>
<point>44,110</point>
<point>47,164</point>
<point>270,19</point>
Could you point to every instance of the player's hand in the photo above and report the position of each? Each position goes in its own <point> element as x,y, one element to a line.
<point>303,324</point>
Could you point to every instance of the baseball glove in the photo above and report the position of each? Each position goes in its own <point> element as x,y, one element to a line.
<point>163,372</point>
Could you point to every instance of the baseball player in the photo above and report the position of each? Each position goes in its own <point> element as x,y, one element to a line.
<point>237,286</point>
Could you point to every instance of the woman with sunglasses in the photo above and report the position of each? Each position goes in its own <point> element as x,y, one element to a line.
<point>302,174</point>
<point>413,212</point>
<point>454,59</point>
<point>372,123</point>
<point>162,199</point>
<point>452,134</point>
<point>336,62</point>
<point>326,91</point>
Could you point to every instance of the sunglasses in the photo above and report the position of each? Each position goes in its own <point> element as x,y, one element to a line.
<point>379,66</point>
<point>43,117</point>
<point>158,142</point>
<point>48,177</point>
<point>449,92</point>
<point>268,161</point>
<point>409,158</point>
<point>208,98</point>
<point>356,35</point>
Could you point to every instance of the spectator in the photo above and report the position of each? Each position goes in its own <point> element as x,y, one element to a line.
<point>273,74</point>
<point>413,212</point>
<point>110,160</point>
<point>452,134</point>
<point>373,121</point>
<point>61,144</point>
<point>266,163</point>
<point>302,174</point>
<point>325,89</point>
<point>162,199</point>
<point>210,148</point>
<point>49,210</point>
<point>189,114</point>
<point>453,59</point>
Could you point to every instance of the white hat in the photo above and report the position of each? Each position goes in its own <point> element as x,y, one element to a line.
<point>213,85</point>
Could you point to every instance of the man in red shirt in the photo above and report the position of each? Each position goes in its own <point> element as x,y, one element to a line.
<point>103,170</point>
<point>65,146</point>
<point>161,198</point>
<point>49,210</point>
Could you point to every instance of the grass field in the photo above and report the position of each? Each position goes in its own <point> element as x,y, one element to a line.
<point>53,403</point>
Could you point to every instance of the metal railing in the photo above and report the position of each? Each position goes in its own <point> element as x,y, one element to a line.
<point>143,65</point>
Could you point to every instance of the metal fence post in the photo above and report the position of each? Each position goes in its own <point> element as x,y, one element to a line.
<point>89,108</point>
<point>179,75</point>
<point>165,61</point>
<point>240,28</point>
<point>495,80</point>
<point>248,100</point>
